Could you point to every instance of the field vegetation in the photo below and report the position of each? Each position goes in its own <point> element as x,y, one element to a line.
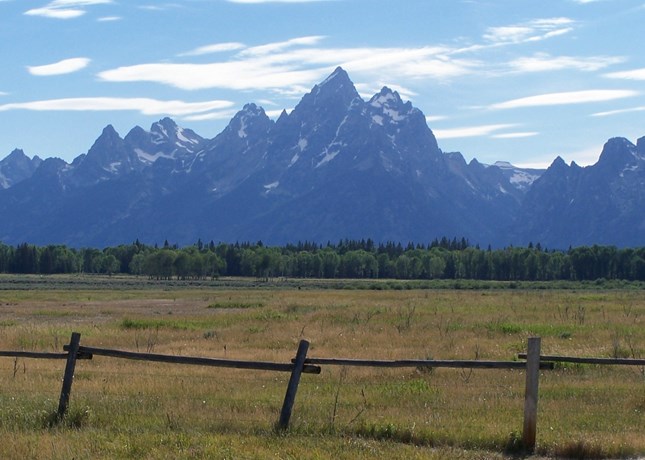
<point>133,409</point>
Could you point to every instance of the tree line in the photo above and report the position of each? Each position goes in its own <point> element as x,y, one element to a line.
<point>441,259</point>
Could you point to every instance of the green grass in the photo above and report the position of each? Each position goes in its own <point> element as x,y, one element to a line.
<point>133,409</point>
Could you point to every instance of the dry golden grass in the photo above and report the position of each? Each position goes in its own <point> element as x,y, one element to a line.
<point>131,409</point>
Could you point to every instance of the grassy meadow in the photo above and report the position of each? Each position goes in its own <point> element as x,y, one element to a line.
<point>132,409</point>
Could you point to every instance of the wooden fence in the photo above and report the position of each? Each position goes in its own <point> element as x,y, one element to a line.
<point>533,363</point>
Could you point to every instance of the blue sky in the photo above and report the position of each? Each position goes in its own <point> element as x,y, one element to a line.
<point>515,80</point>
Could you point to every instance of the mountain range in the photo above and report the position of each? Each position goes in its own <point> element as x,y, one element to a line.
<point>336,167</point>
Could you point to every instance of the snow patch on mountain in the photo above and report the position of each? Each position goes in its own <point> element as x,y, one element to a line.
<point>114,166</point>
<point>159,137</point>
<point>629,169</point>
<point>271,186</point>
<point>520,178</point>
<point>182,137</point>
<point>523,178</point>
<point>241,133</point>
<point>394,115</point>
<point>390,106</point>
<point>382,99</point>
<point>328,156</point>
<point>149,158</point>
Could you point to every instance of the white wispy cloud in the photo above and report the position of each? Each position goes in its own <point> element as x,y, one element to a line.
<point>146,106</point>
<point>280,46</point>
<point>636,74</point>
<point>367,90</point>
<point>59,68</point>
<point>293,65</point>
<point>541,62</point>
<point>109,18</point>
<point>214,48</point>
<point>433,118</point>
<point>290,67</point>
<point>565,98</point>
<point>235,75</point>
<point>65,9</point>
<point>531,31</point>
<point>219,115</point>
<point>516,135</point>
<point>276,1</point>
<point>618,112</point>
<point>470,131</point>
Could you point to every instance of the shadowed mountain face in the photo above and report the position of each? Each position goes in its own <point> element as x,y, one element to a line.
<point>336,167</point>
<point>17,167</point>
<point>599,204</point>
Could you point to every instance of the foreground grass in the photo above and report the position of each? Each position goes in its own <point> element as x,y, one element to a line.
<point>125,409</point>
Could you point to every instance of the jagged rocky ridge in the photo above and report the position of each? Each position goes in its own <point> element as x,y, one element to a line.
<point>336,167</point>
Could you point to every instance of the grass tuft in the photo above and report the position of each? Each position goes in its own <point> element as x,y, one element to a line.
<point>75,418</point>
<point>236,305</point>
<point>581,450</point>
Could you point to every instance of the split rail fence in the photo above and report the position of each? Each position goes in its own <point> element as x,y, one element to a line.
<point>534,362</point>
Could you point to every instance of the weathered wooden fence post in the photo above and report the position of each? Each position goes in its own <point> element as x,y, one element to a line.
<point>531,393</point>
<point>69,374</point>
<point>292,388</point>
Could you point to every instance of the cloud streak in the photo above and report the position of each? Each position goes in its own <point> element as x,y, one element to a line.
<point>517,135</point>
<point>618,112</point>
<point>532,31</point>
<point>214,48</point>
<point>145,106</point>
<point>470,131</point>
<point>288,66</point>
<point>65,9</point>
<point>276,1</point>
<point>59,68</point>
<point>281,46</point>
<point>566,98</point>
<point>543,62</point>
<point>637,74</point>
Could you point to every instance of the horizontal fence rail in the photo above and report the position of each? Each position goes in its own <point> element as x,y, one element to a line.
<point>582,360</point>
<point>458,364</point>
<point>193,360</point>
<point>40,355</point>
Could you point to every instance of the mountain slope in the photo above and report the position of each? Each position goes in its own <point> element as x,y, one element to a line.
<point>599,204</point>
<point>17,167</point>
<point>335,167</point>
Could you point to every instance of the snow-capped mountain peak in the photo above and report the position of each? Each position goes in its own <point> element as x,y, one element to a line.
<point>388,104</point>
<point>248,124</point>
<point>166,130</point>
<point>165,140</point>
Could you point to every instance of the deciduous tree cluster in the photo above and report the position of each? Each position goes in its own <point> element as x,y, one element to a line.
<point>441,259</point>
